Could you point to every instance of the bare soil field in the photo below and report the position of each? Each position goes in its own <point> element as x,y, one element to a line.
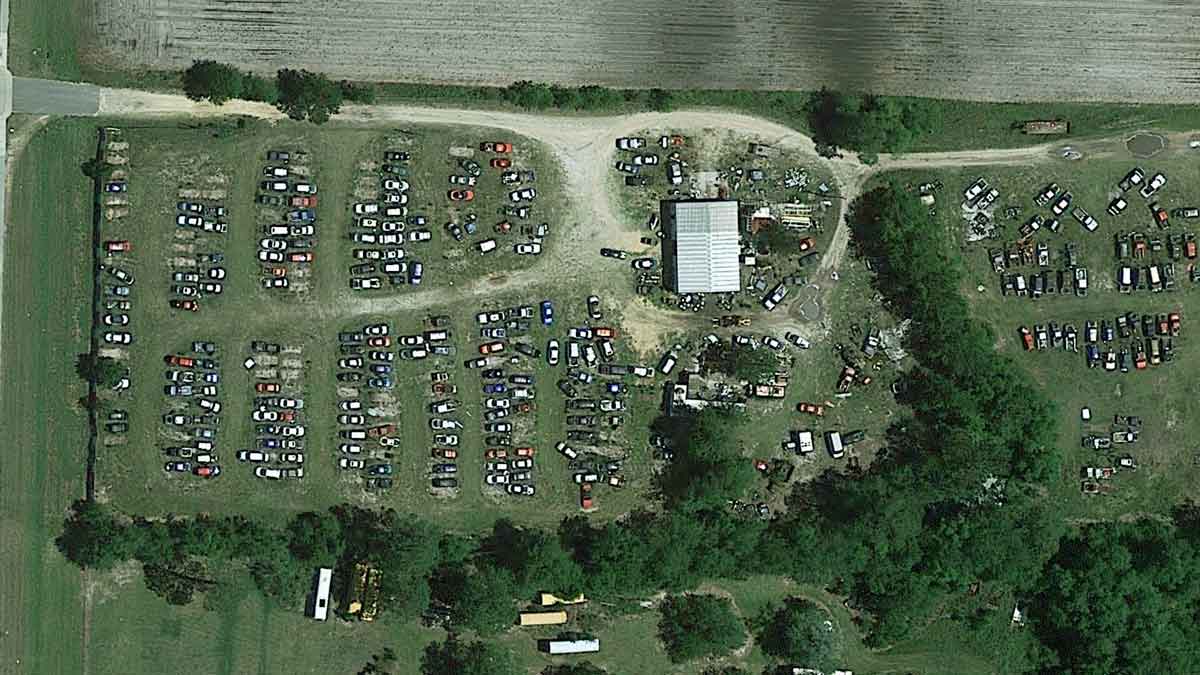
<point>967,49</point>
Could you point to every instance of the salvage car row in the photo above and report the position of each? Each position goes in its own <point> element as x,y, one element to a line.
<point>192,417</point>
<point>287,199</point>
<point>277,413</point>
<point>382,227</point>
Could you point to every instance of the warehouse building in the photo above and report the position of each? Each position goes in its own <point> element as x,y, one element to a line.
<point>701,245</point>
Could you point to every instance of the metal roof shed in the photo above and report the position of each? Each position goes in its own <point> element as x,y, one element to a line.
<point>704,244</point>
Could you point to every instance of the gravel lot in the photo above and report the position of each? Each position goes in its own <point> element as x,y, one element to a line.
<point>996,50</point>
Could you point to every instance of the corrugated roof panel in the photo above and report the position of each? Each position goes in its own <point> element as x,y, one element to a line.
<point>706,247</point>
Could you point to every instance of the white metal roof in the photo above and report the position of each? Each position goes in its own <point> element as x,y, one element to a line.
<point>706,247</point>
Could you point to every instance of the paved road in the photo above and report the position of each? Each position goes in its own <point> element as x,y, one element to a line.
<point>51,97</point>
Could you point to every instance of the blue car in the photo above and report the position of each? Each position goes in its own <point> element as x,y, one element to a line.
<point>547,313</point>
<point>380,383</point>
<point>494,388</point>
<point>415,272</point>
<point>303,215</point>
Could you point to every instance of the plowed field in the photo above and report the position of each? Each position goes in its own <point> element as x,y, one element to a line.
<point>975,49</point>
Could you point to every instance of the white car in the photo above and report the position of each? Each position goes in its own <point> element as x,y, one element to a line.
<point>528,194</point>
<point>256,456</point>
<point>368,223</point>
<point>630,143</point>
<point>350,463</point>
<point>270,256</point>
<point>450,440</point>
<point>351,419</point>
<point>775,297</point>
<point>552,352</point>
<point>261,415</point>
<point>420,235</point>
<point>365,208</point>
<point>528,248</point>
<point>118,337</point>
<point>306,188</point>
<point>275,172</point>
<point>270,472</point>
<point>497,403</point>
<point>648,159</point>
<point>350,405</point>
<point>395,185</point>
<point>1153,186</point>
<point>350,448</point>
<point>272,244</point>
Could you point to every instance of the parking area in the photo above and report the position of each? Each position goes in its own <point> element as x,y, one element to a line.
<point>1087,273</point>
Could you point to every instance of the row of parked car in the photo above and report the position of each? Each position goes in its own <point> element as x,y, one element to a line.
<point>117,286</point>
<point>192,417</point>
<point>366,438</point>
<point>193,279</point>
<point>1150,340</point>
<point>287,199</point>
<point>382,228</point>
<point>277,413</point>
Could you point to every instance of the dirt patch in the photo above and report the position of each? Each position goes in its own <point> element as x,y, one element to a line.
<point>649,327</point>
<point>1145,145</point>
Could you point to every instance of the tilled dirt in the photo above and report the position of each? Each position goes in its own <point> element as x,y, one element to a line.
<point>995,50</point>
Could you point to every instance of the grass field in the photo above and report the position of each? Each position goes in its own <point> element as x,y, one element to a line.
<point>47,292</point>
<point>1165,395</point>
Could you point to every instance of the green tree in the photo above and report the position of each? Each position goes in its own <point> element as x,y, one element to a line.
<point>306,95</point>
<point>316,538</point>
<point>694,626</point>
<point>93,538</point>
<point>216,82</point>
<point>799,632</point>
<point>536,560</point>
<point>709,469</point>
<point>105,370</point>
<point>485,601</point>
<point>530,95</point>
<point>256,88</point>
<point>357,92</point>
<point>454,657</point>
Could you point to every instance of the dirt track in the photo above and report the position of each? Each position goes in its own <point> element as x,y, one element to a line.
<point>995,50</point>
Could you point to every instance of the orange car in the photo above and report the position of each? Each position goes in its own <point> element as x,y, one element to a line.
<point>811,408</point>
<point>267,387</point>
<point>585,496</point>
<point>275,271</point>
<point>304,202</point>
<point>498,147</point>
<point>118,246</point>
<point>461,195</point>
<point>189,305</point>
<point>1026,338</point>
<point>444,453</point>
<point>501,162</point>
<point>181,361</point>
<point>301,257</point>
<point>491,348</point>
<point>605,332</point>
<point>524,452</point>
<point>496,453</point>
<point>379,341</point>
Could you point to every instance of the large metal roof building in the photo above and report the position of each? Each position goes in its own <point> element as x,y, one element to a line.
<point>702,245</point>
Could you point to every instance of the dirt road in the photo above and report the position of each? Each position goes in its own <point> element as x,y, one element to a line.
<point>584,147</point>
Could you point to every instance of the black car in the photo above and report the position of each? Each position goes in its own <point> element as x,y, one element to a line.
<point>567,388</point>
<point>493,374</point>
<point>636,181</point>
<point>264,347</point>
<point>582,436</point>
<point>500,441</point>
<point>581,420</point>
<point>348,338</point>
<point>455,231</point>
<point>444,482</point>
<point>350,376</point>
<point>396,156</point>
<point>528,350</point>
<point>613,253</point>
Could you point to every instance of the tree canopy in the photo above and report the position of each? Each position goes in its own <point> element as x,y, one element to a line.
<point>455,657</point>
<point>866,123</point>
<point>694,626</point>
<point>105,370</point>
<point>212,81</point>
<point>799,632</point>
<point>307,95</point>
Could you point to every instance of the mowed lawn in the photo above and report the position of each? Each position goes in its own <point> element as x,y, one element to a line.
<point>47,302</point>
<point>1165,396</point>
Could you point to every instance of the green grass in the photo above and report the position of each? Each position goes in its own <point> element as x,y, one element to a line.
<point>45,38</point>
<point>1162,395</point>
<point>47,297</point>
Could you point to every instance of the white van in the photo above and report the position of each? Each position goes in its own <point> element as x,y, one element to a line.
<point>486,246</point>
<point>833,443</point>
<point>1155,278</point>
<point>667,364</point>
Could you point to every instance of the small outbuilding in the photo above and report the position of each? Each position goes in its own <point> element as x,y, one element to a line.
<point>569,646</point>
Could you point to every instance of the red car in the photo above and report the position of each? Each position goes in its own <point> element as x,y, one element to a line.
<point>304,202</point>
<point>491,348</point>
<point>524,452</point>
<point>188,305</point>
<point>181,361</point>
<point>1176,322</point>
<point>501,162</point>
<point>207,471</point>
<point>496,453</point>
<point>301,257</point>
<point>118,246</point>
<point>585,496</point>
<point>381,430</point>
<point>498,147</point>
<point>1026,338</point>
<point>811,408</point>
<point>461,195</point>
<point>267,387</point>
<point>445,453</point>
<point>605,332</point>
